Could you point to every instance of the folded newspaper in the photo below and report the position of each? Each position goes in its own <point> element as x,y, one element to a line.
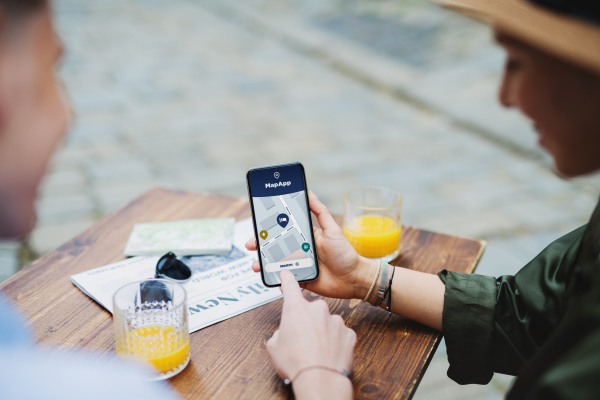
<point>190,237</point>
<point>221,287</point>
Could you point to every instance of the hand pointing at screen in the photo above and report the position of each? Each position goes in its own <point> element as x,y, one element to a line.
<point>312,348</point>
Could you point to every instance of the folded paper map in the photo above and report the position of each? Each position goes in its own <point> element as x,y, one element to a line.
<point>189,237</point>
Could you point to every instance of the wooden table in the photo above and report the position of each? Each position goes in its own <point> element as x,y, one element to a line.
<point>229,360</point>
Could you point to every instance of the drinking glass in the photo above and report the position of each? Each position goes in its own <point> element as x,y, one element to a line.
<point>151,325</point>
<point>372,221</point>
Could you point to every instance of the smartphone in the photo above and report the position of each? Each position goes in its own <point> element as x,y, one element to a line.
<point>282,223</point>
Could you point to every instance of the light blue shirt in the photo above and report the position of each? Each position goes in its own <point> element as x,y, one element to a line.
<point>31,372</point>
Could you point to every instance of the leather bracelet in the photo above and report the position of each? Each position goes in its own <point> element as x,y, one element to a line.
<point>373,283</point>
<point>382,285</point>
<point>291,381</point>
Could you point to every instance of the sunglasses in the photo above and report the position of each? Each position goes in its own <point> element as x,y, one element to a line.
<point>155,292</point>
<point>169,267</point>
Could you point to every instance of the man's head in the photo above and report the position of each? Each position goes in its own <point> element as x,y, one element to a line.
<point>33,111</point>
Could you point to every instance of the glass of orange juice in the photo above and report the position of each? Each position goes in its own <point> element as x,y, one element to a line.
<point>151,325</point>
<point>372,221</point>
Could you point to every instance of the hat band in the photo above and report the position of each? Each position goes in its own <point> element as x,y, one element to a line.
<point>588,10</point>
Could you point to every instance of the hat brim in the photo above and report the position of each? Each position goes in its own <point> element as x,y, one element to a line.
<point>571,39</point>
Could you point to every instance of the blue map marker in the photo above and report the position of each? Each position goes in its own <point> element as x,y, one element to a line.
<point>305,247</point>
<point>282,220</point>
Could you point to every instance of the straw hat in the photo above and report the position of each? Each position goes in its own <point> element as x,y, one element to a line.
<point>571,38</point>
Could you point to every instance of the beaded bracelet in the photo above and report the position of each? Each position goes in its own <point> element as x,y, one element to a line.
<point>291,381</point>
<point>373,283</point>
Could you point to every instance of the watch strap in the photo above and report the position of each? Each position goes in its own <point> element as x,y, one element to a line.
<point>382,284</point>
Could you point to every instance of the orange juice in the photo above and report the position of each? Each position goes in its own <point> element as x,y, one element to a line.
<point>374,236</point>
<point>162,346</point>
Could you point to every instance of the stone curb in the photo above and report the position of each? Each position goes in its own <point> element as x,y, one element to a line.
<point>397,80</point>
<point>380,73</point>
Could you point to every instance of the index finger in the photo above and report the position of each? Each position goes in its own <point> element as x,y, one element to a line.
<point>290,288</point>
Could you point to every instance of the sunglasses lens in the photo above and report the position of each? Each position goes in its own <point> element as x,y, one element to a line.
<point>169,266</point>
<point>151,291</point>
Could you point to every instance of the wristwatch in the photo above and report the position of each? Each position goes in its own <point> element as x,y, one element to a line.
<point>382,284</point>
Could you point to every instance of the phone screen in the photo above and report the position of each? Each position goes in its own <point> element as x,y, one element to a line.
<point>282,223</point>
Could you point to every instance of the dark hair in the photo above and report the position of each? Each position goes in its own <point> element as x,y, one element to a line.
<point>588,10</point>
<point>18,8</point>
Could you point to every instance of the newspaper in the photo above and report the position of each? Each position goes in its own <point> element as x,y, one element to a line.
<point>221,287</point>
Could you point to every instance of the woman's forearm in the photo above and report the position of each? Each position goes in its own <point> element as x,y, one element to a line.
<point>415,295</point>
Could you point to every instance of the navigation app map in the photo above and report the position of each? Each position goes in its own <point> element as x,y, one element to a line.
<point>283,224</point>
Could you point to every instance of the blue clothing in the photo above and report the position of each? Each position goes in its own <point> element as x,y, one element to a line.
<point>13,331</point>
<point>31,372</point>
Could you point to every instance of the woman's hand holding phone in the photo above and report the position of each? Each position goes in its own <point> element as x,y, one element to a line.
<point>344,274</point>
<point>309,336</point>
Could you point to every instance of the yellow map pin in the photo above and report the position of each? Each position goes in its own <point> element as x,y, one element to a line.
<point>264,234</point>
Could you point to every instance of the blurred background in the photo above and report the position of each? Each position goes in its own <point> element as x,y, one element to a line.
<point>190,94</point>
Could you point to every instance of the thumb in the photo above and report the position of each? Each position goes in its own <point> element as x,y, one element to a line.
<point>323,215</point>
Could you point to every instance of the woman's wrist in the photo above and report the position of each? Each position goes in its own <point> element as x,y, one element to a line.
<point>322,384</point>
<point>367,270</point>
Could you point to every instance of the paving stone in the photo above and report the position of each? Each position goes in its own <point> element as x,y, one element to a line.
<point>481,224</point>
<point>62,208</point>
<point>532,212</point>
<point>508,256</point>
<point>89,135</point>
<point>68,157</point>
<point>63,182</point>
<point>436,385</point>
<point>113,195</point>
<point>117,170</point>
<point>230,180</point>
<point>98,101</point>
<point>46,238</point>
<point>9,259</point>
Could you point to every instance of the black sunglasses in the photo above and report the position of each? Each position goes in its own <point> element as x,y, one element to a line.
<point>171,268</point>
<point>168,266</point>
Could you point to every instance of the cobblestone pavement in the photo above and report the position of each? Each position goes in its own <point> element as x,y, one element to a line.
<point>190,94</point>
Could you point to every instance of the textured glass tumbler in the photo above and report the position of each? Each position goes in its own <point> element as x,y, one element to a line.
<point>372,221</point>
<point>150,320</point>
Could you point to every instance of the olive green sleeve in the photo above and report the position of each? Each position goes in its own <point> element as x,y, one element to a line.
<point>467,324</point>
<point>497,324</point>
<point>575,377</point>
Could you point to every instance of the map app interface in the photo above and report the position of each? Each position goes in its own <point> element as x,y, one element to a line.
<point>283,224</point>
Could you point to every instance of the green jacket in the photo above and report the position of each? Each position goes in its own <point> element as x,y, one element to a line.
<point>543,324</point>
